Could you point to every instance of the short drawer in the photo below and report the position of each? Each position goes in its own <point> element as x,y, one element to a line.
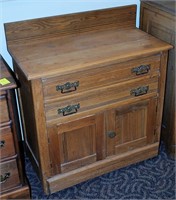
<point>6,142</point>
<point>74,83</point>
<point>4,114</point>
<point>9,176</point>
<point>75,104</point>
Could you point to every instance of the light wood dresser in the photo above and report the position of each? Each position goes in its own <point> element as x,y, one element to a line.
<point>158,18</point>
<point>12,179</point>
<point>92,91</point>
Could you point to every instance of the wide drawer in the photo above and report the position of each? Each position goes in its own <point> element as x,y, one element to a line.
<point>6,142</point>
<point>9,176</point>
<point>4,114</point>
<point>74,83</point>
<point>75,104</point>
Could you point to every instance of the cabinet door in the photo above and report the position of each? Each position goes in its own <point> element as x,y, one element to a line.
<point>130,127</point>
<point>76,143</point>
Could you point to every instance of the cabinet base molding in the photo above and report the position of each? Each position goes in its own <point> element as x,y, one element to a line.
<point>71,178</point>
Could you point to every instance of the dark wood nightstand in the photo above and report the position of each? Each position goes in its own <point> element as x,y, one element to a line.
<point>12,179</point>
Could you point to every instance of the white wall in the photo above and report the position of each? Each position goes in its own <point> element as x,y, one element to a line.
<point>16,10</point>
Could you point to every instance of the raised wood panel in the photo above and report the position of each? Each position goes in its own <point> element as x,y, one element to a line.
<point>133,125</point>
<point>76,143</point>
<point>81,152</point>
<point>157,23</point>
<point>160,31</point>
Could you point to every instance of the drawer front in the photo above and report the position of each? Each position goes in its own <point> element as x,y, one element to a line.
<point>75,104</point>
<point>104,76</point>
<point>6,142</point>
<point>9,175</point>
<point>4,114</point>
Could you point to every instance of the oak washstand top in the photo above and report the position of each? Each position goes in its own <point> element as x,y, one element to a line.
<point>74,42</point>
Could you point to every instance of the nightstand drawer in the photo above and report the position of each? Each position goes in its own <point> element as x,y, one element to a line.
<point>9,176</point>
<point>75,104</point>
<point>4,114</point>
<point>6,142</point>
<point>62,86</point>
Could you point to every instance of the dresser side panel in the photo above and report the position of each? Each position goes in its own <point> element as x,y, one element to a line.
<point>161,92</point>
<point>35,134</point>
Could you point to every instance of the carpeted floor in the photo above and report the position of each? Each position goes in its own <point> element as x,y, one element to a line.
<point>150,179</point>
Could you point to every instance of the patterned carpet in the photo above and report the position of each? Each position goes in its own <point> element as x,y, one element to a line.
<point>150,179</point>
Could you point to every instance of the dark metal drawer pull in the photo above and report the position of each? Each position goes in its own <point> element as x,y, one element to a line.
<point>67,87</point>
<point>68,110</point>
<point>143,69</point>
<point>140,91</point>
<point>4,177</point>
<point>2,143</point>
<point>111,134</point>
